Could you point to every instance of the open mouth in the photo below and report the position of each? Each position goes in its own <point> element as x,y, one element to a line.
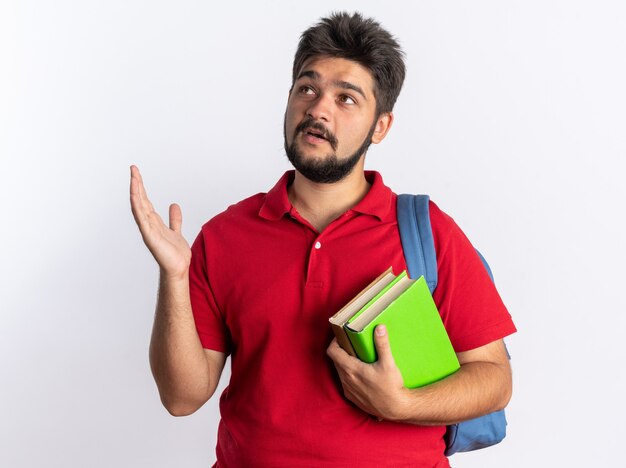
<point>315,133</point>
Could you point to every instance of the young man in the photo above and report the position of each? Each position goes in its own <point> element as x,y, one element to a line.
<point>263,277</point>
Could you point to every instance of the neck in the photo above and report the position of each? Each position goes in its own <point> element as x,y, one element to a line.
<point>320,204</point>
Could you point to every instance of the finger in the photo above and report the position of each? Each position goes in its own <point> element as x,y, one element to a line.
<point>381,341</point>
<point>139,202</point>
<point>135,199</point>
<point>138,186</point>
<point>336,352</point>
<point>345,364</point>
<point>333,349</point>
<point>134,174</point>
<point>136,182</point>
<point>176,217</point>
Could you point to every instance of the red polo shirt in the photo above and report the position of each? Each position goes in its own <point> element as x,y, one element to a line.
<point>264,283</point>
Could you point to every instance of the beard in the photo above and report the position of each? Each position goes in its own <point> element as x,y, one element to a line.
<point>329,169</point>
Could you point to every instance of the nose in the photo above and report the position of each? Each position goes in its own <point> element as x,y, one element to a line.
<point>320,108</point>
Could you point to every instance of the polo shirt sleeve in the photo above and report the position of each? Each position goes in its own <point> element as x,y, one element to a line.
<point>209,321</point>
<point>470,306</point>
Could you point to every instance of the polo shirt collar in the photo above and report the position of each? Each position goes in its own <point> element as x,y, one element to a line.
<point>377,201</point>
<point>277,203</point>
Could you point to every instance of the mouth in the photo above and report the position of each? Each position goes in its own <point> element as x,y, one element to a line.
<point>316,134</point>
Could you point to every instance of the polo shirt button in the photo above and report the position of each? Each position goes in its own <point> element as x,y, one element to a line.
<point>318,244</point>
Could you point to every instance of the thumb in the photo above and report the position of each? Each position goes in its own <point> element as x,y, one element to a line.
<point>381,341</point>
<point>176,217</point>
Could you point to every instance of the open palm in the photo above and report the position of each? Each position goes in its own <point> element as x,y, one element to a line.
<point>167,244</point>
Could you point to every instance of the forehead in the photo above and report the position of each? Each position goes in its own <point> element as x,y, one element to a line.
<point>334,70</point>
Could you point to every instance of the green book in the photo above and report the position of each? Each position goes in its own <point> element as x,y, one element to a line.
<point>419,341</point>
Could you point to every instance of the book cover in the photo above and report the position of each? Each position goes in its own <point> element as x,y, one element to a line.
<point>419,341</point>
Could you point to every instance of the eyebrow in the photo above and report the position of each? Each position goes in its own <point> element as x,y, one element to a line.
<point>339,83</point>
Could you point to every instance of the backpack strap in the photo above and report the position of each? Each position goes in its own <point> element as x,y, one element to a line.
<point>421,259</point>
<point>417,238</point>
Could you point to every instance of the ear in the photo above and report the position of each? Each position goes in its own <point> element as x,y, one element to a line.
<point>383,124</point>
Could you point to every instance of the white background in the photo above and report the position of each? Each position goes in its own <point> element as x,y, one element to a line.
<point>512,117</point>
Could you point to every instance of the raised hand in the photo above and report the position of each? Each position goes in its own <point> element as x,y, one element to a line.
<point>167,244</point>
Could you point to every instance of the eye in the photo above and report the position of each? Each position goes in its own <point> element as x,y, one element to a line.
<point>345,99</point>
<point>307,90</point>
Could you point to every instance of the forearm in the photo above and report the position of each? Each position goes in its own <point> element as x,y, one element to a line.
<point>179,364</point>
<point>476,389</point>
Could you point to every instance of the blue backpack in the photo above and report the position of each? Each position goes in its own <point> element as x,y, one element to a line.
<point>421,259</point>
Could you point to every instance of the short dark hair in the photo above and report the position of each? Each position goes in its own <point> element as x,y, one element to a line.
<point>360,39</point>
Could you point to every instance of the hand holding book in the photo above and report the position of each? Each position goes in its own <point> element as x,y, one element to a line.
<point>378,388</point>
<point>419,342</point>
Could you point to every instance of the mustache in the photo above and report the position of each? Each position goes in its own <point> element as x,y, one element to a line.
<point>309,123</point>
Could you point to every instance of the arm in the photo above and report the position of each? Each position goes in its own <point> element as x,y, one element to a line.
<point>185,373</point>
<point>482,385</point>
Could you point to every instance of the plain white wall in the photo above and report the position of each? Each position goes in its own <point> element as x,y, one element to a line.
<point>512,117</point>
